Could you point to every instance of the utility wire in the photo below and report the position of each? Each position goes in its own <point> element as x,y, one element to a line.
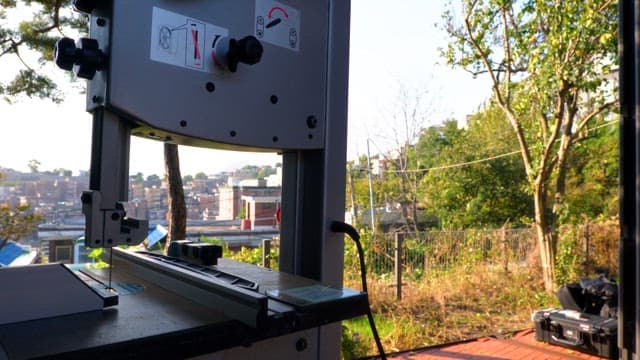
<point>454,165</point>
<point>444,167</point>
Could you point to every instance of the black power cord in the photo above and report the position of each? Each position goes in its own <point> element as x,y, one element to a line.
<point>342,227</point>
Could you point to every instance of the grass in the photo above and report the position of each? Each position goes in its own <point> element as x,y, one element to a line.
<point>462,303</point>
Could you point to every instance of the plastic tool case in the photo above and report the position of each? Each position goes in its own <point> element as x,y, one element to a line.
<point>575,330</point>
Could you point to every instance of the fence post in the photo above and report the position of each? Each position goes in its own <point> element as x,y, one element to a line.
<point>266,249</point>
<point>505,248</point>
<point>398,263</point>
<point>585,235</point>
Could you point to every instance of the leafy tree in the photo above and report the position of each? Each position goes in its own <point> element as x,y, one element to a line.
<point>187,178</point>
<point>550,68</point>
<point>16,222</point>
<point>153,180</point>
<point>50,19</point>
<point>592,182</point>
<point>474,178</point>
<point>201,176</point>
<point>34,165</point>
<point>138,178</point>
<point>63,172</point>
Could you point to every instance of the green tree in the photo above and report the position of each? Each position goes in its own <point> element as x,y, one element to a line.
<point>62,172</point>
<point>153,180</point>
<point>49,20</point>
<point>475,180</point>
<point>138,178</point>
<point>34,165</point>
<point>592,182</point>
<point>187,179</point>
<point>550,67</point>
<point>16,222</point>
<point>201,176</point>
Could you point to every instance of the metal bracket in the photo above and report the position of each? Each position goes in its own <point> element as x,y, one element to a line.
<point>107,224</point>
<point>110,227</point>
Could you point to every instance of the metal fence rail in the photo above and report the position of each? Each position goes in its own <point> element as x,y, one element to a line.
<point>440,250</point>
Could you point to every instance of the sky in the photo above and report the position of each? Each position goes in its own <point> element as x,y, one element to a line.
<point>393,50</point>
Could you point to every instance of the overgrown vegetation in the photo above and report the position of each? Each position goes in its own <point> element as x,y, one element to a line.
<point>458,304</point>
<point>476,288</point>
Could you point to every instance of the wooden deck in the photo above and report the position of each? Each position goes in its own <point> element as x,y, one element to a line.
<point>521,345</point>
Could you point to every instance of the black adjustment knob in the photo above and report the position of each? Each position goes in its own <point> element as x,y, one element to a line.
<point>92,58</point>
<point>85,6</point>
<point>88,6</point>
<point>65,53</point>
<point>247,50</point>
<point>84,57</point>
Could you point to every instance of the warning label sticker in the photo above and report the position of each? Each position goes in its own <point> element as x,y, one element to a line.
<point>183,41</point>
<point>277,24</point>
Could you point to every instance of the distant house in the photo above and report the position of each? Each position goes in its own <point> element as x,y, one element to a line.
<point>261,210</point>
<point>231,199</point>
<point>13,254</point>
<point>60,248</point>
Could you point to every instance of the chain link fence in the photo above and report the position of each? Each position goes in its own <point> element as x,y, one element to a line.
<point>405,258</point>
<point>440,250</point>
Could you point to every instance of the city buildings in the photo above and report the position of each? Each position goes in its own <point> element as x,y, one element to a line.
<point>251,194</point>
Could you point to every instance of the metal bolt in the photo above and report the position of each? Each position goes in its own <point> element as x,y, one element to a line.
<point>301,344</point>
<point>312,121</point>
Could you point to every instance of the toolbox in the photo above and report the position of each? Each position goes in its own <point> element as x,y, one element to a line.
<point>579,331</point>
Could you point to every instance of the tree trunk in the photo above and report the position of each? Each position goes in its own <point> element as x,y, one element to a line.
<point>177,212</point>
<point>545,236</point>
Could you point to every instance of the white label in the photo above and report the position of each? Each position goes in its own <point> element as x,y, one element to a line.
<point>183,41</point>
<point>277,24</point>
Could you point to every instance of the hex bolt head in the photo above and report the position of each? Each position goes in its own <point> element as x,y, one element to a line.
<point>301,344</point>
<point>312,122</point>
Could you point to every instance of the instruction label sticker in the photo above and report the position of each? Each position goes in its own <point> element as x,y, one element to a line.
<point>277,24</point>
<point>183,41</point>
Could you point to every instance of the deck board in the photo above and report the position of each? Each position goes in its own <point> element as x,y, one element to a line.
<point>521,345</point>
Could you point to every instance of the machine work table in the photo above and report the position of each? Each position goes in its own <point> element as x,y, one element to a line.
<point>164,318</point>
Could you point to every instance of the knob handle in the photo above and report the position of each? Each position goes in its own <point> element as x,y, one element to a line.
<point>247,50</point>
<point>84,57</point>
<point>65,53</point>
<point>91,59</point>
<point>85,6</point>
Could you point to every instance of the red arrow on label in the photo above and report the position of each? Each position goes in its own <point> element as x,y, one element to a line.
<point>277,8</point>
